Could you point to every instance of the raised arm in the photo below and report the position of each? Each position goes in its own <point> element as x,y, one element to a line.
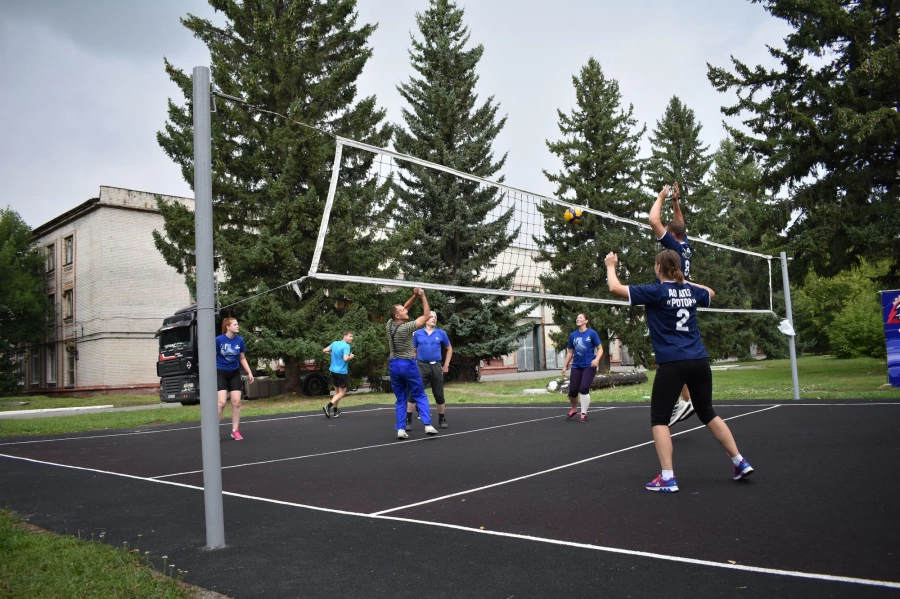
<point>612,279</point>
<point>426,310</point>
<point>677,216</point>
<point>656,213</point>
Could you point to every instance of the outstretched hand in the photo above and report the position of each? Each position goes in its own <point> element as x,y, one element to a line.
<point>676,192</point>
<point>612,259</point>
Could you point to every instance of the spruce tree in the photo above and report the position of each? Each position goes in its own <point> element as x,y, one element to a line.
<point>601,170</point>
<point>271,175</point>
<point>455,241</point>
<point>825,125</point>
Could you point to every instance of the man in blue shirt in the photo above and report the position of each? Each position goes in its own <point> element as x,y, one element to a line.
<point>673,236</point>
<point>340,356</point>
<point>428,343</point>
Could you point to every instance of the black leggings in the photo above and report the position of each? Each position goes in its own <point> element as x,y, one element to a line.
<point>580,381</point>
<point>670,378</point>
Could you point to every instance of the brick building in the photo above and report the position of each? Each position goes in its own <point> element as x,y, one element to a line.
<point>111,289</point>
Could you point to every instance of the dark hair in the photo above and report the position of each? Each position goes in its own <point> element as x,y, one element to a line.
<point>394,310</point>
<point>346,332</point>
<point>670,266</point>
<point>227,322</point>
<point>676,229</point>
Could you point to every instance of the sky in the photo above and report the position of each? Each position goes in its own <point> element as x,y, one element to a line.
<point>85,91</point>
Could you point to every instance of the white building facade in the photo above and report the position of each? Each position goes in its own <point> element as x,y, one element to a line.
<point>110,288</point>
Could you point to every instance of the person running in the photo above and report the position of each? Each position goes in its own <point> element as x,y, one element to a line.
<point>672,318</point>
<point>230,357</point>
<point>673,236</point>
<point>340,357</point>
<point>583,352</point>
<point>427,344</point>
<point>405,378</point>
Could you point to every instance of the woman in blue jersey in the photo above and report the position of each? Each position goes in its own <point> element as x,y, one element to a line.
<point>230,348</point>
<point>583,353</point>
<point>672,318</point>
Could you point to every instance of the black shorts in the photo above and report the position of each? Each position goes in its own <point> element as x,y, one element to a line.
<point>670,378</point>
<point>229,380</point>
<point>340,380</point>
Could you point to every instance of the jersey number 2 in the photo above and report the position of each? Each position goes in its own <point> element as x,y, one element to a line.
<point>683,315</point>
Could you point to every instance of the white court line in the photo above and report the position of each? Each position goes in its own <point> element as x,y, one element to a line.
<point>579,462</point>
<point>394,443</point>
<point>175,430</point>
<point>507,535</point>
<point>455,407</point>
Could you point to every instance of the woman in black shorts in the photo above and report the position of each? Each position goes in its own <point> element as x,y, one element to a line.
<point>230,348</point>
<point>672,318</point>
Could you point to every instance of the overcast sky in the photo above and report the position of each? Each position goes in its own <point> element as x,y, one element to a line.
<point>84,90</point>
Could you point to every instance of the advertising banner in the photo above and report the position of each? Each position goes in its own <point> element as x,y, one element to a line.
<point>890,304</point>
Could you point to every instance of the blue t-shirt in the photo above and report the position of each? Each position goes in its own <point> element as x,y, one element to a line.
<point>429,346</point>
<point>672,318</point>
<point>682,248</point>
<point>339,349</point>
<point>584,347</point>
<point>228,352</point>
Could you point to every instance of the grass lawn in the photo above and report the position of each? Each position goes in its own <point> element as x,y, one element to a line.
<point>35,563</point>
<point>821,377</point>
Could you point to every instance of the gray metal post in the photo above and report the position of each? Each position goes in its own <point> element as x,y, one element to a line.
<point>790,319</point>
<point>206,313</point>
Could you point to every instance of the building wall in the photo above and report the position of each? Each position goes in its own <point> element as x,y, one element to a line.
<point>122,290</point>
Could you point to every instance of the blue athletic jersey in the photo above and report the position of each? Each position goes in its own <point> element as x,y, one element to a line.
<point>429,346</point>
<point>672,318</point>
<point>228,352</point>
<point>584,347</point>
<point>339,349</point>
<point>682,248</point>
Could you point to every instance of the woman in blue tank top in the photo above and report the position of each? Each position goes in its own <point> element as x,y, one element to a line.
<point>672,318</point>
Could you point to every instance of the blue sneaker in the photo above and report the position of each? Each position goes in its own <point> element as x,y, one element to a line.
<point>664,486</point>
<point>742,470</point>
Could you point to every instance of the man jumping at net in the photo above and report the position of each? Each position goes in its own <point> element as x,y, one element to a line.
<point>673,236</point>
<point>405,378</point>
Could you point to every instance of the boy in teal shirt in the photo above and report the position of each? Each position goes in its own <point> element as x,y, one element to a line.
<point>340,355</point>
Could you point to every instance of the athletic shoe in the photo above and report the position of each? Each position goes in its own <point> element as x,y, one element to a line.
<point>237,437</point>
<point>327,409</point>
<point>583,418</point>
<point>681,408</point>
<point>572,413</point>
<point>742,470</point>
<point>408,423</point>
<point>689,412</point>
<point>430,430</point>
<point>335,412</point>
<point>402,435</point>
<point>443,422</point>
<point>663,486</point>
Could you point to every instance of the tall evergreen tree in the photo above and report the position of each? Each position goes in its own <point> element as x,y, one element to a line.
<point>270,175</point>
<point>826,127</point>
<point>679,155</point>
<point>601,170</point>
<point>23,295</point>
<point>455,241</point>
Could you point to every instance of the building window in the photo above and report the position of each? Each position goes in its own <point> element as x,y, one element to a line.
<point>70,367</point>
<point>51,364</point>
<point>68,304</point>
<point>69,246</point>
<point>35,367</point>
<point>51,322</point>
<point>20,368</point>
<point>50,257</point>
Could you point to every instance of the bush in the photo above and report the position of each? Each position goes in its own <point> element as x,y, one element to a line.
<point>857,330</point>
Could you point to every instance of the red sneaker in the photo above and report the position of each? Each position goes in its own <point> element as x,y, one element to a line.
<point>236,435</point>
<point>572,414</point>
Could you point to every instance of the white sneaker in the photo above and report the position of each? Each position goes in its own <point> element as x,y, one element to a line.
<point>430,430</point>
<point>681,408</point>
<point>401,434</point>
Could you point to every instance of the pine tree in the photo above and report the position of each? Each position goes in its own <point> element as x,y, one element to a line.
<point>455,241</point>
<point>271,175</point>
<point>23,295</point>
<point>601,170</point>
<point>826,127</point>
